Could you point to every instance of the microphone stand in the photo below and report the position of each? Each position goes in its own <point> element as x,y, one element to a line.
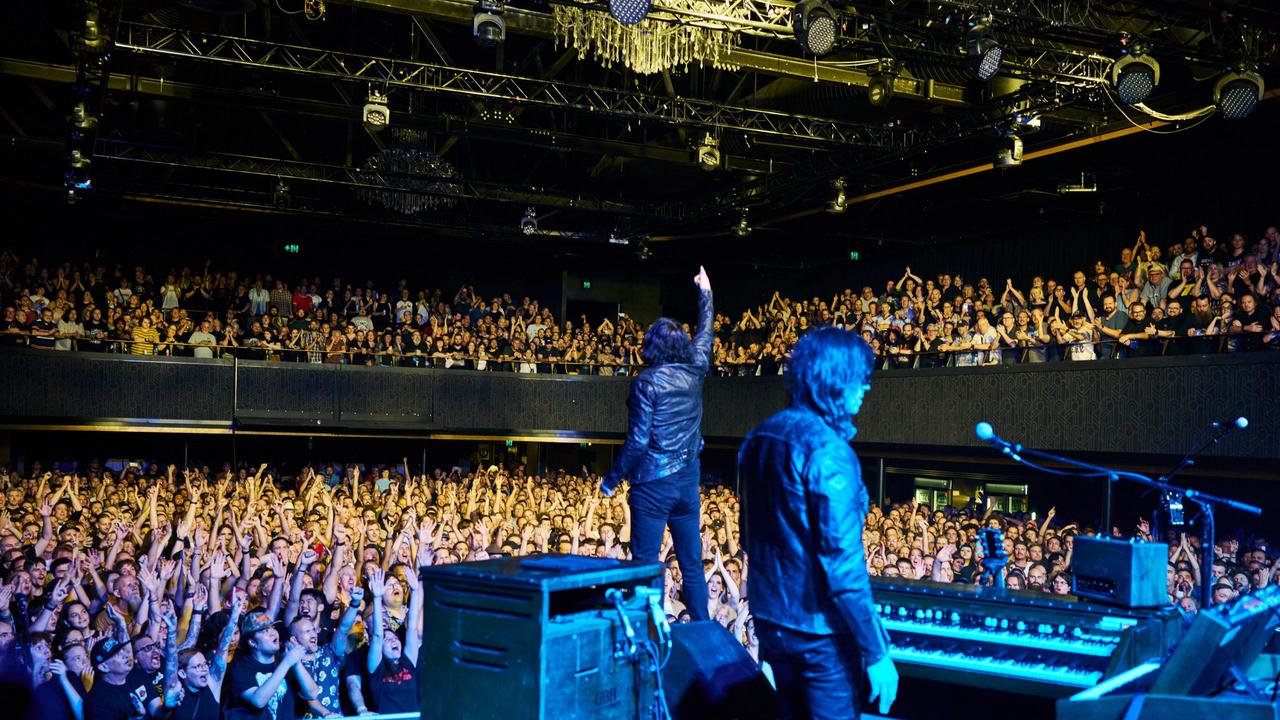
<point>1219,431</point>
<point>1206,501</point>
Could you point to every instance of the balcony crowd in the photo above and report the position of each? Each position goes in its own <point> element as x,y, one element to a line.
<point>1198,296</point>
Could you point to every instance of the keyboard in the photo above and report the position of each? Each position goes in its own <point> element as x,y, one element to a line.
<point>1017,641</point>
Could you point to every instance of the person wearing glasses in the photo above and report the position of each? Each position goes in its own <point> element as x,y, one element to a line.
<point>804,508</point>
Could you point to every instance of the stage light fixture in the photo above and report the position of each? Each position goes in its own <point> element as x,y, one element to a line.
<point>629,12</point>
<point>743,228</point>
<point>815,27</point>
<point>984,50</point>
<point>529,223</point>
<point>92,39</point>
<point>1135,76</point>
<point>841,200</point>
<point>708,153</point>
<point>1237,93</point>
<point>81,119</point>
<point>281,195</point>
<point>377,115</point>
<point>1010,152</point>
<point>880,89</point>
<point>487,25</point>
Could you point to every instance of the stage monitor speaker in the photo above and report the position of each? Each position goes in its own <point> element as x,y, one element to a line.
<point>1221,645</point>
<point>710,675</point>
<point>1118,572</point>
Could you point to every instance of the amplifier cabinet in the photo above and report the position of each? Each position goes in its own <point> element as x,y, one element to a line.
<point>1119,572</point>
<point>533,639</point>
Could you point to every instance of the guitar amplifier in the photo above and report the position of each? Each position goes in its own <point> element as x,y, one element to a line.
<point>534,638</point>
<point>1118,572</point>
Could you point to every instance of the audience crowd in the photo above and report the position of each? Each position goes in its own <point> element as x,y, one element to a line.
<point>228,593</point>
<point>1193,297</point>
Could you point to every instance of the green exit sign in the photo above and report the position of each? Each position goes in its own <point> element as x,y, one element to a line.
<point>586,284</point>
<point>511,443</point>
<point>292,248</point>
<point>853,254</point>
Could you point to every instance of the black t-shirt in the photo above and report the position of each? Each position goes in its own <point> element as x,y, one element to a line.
<point>1179,325</point>
<point>51,701</point>
<point>12,339</point>
<point>246,673</point>
<point>1140,348</point>
<point>1251,340</point>
<point>199,704</point>
<point>392,687</point>
<point>111,702</point>
<point>354,666</point>
<point>1209,257</point>
<point>1259,315</point>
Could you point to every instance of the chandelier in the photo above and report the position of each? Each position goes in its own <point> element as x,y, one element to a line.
<point>663,40</point>
<point>407,178</point>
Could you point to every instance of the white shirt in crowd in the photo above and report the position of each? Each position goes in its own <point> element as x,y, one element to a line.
<point>204,343</point>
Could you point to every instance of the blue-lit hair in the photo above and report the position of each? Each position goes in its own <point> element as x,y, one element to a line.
<point>666,342</point>
<point>825,364</point>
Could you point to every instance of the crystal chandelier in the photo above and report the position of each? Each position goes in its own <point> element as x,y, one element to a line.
<point>661,41</point>
<point>406,177</point>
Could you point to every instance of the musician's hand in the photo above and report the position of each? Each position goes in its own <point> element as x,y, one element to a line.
<point>701,280</point>
<point>882,677</point>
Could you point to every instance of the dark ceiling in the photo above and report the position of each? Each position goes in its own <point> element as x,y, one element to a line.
<point>258,106</point>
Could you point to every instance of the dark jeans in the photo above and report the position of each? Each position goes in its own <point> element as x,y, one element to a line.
<point>817,676</point>
<point>672,500</point>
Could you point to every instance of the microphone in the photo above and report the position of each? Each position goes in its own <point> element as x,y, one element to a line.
<point>984,431</point>
<point>987,434</point>
<point>614,595</point>
<point>654,598</point>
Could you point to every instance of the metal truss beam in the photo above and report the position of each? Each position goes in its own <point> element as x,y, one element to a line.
<point>541,24</point>
<point>551,94</point>
<point>356,179</point>
<point>941,133</point>
<point>476,129</point>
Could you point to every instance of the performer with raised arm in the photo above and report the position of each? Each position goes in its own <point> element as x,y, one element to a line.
<point>664,440</point>
<point>804,507</point>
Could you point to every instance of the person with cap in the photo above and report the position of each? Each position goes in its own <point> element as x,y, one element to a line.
<point>1155,286</point>
<point>258,680</point>
<point>1079,338</point>
<point>1223,592</point>
<point>114,696</point>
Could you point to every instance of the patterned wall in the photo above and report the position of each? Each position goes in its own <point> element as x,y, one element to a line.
<point>1155,405</point>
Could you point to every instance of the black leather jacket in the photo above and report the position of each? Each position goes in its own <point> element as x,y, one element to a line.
<point>803,510</point>
<point>664,413</point>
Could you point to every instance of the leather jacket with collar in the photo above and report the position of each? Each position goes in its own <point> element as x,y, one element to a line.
<point>664,413</point>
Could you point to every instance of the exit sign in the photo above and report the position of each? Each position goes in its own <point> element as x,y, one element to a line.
<point>853,254</point>
<point>292,248</point>
<point>586,284</point>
